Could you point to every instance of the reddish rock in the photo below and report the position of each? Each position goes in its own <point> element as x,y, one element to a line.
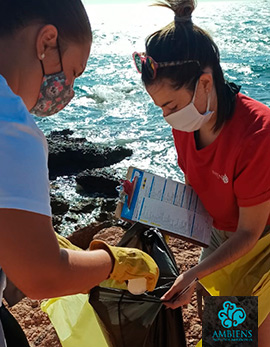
<point>83,236</point>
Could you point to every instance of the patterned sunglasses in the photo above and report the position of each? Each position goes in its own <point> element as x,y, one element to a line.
<point>151,65</point>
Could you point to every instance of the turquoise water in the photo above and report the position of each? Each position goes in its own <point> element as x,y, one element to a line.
<point>111,106</point>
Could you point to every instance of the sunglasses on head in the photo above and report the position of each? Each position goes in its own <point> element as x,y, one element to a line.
<point>151,65</point>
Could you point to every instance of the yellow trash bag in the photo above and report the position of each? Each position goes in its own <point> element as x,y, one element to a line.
<point>72,316</point>
<point>74,321</point>
<point>247,276</point>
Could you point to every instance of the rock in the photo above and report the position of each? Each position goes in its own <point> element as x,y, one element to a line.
<point>111,235</point>
<point>28,322</point>
<point>99,209</point>
<point>124,224</point>
<point>59,205</point>
<point>88,208</point>
<point>85,207</point>
<point>109,205</point>
<point>71,218</point>
<point>98,183</point>
<point>83,236</point>
<point>34,303</point>
<point>57,221</point>
<point>103,216</point>
<point>68,155</point>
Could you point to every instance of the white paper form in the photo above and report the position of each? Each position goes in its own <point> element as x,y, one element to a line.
<point>169,205</point>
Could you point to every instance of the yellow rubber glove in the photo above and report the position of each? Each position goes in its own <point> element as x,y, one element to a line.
<point>130,263</point>
<point>65,243</point>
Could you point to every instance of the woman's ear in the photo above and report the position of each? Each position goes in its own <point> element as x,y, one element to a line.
<point>46,40</point>
<point>206,82</point>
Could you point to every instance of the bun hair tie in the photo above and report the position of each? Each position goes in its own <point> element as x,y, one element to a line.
<point>182,19</point>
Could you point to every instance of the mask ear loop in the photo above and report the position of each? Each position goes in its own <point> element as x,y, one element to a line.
<point>60,55</point>
<point>195,91</point>
<point>42,67</point>
<point>61,63</point>
<point>60,59</point>
<point>208,103</point>
<point>208,97</point>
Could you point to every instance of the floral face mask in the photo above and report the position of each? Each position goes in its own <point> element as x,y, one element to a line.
<point>55,93</point>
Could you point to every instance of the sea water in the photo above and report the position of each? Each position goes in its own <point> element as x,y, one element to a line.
<point>111,106</point>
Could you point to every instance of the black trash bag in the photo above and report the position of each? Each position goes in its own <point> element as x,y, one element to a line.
<point>129,320</point>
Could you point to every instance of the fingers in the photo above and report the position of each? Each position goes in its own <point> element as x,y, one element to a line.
<point>169,294</point>
<point>180,301</point>
<point>173,290</point>
<point>173,300</point>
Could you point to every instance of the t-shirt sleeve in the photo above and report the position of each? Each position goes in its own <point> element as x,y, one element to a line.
<point>24,182</point>
<point>252,183</point>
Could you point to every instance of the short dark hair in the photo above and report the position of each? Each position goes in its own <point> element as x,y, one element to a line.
<point>181,40</point>
<point>68,16</point>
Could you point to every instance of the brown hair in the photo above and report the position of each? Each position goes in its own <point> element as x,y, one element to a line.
<point>68,16</point>
<point>182,40</point>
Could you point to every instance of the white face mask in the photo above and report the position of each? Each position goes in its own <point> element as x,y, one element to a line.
<point>189,118</point>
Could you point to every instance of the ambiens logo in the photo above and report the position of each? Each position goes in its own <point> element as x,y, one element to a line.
<point>230,320</point>
<point>231,315</point>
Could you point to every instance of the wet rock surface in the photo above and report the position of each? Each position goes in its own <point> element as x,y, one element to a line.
<point>59,205</point>
<point>69,155</point>
<point>97,182</point>
<point>85,167</point>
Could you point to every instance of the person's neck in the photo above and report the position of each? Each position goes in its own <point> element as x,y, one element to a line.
<point>206,134</point>
<point>9,64</point>
<point>205,139</point>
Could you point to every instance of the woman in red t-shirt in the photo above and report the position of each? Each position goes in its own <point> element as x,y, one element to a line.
<point>222,140</point>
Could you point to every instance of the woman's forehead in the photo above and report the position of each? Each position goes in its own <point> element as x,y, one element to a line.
<point>162,92</point>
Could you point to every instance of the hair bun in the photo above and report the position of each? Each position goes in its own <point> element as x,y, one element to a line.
<point>182,9</point>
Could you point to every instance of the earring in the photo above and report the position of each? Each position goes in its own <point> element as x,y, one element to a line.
<point>42,56</point>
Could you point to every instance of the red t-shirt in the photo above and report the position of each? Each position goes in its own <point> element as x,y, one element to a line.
<point>234,170</point>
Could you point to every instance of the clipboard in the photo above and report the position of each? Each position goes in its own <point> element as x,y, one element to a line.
<point>168,205</point>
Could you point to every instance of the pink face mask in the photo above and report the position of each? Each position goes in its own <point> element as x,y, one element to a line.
<point>189,118</point>
<point>55,93</point>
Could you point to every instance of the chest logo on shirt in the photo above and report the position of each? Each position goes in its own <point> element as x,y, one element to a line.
<point>224,177</point>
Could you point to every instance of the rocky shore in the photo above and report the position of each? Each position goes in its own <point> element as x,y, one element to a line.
<point>87,168</point>
<point>74,163</point>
